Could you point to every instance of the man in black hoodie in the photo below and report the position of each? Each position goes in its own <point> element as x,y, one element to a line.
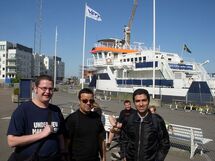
<point>144,138</point>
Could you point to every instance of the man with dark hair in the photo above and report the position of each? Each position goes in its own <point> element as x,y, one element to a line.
<point>84,131</point>
<point>37,123</point>
<point>121,121</point>
<point>144,137</point>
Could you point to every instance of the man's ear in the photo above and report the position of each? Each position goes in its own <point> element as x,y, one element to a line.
<point>35,90</point>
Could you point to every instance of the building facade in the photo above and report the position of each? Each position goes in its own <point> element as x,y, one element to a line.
<point>19,61</point>
<point>15,61</point>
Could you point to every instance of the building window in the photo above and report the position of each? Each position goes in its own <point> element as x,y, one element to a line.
<point>2,47</point>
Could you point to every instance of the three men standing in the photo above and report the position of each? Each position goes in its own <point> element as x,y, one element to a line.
<point>143,138</point>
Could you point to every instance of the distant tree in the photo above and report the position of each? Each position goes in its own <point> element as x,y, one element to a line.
<point>16,80</point>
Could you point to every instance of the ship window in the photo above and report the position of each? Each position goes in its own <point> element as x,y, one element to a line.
<point>169,59</point>
<point>140,59</point>
<point>128,60</point>
<point>132,59</point>
<point>120,60</point>
<point>115,55</point>
<point>144,58</point>
<point>135,59</point>
<point>124,60</point>
<point>100,55</point>
<point>105,54</point>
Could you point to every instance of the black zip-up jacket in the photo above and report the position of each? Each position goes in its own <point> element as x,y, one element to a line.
<point>145,140</point>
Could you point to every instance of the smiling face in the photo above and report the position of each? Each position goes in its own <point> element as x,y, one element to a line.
<point>44,91</point>
<point>86,102</point>
<point>141,103</point>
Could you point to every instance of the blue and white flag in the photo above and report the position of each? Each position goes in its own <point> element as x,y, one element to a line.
<point>89,12</point>
<point>186,49</point>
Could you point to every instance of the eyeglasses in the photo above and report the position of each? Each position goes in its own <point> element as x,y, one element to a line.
<point>86,101</point>
<point>44,89</point>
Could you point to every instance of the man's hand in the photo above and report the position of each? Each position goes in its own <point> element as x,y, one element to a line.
<point>48,129</point>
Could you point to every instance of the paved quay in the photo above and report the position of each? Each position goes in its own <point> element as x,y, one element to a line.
<point>66,101</point>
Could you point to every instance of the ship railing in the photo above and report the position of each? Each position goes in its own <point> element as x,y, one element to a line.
<point>203,72</point>
<point>91,62</point>
<point>166,68</point>
<point>104,44</point>
<point>136,46</point>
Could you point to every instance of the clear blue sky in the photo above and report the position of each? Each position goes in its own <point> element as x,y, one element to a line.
<point>178,22</point>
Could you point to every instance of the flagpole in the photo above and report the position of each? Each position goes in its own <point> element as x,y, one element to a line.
<point>153,73</point>
<point>55,68</point>
<point>83,51</point>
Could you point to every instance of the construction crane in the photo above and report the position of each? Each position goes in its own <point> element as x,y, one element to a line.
<point>127,29</point>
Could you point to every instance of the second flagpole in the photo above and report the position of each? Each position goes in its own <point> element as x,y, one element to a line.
<point>83,51</point>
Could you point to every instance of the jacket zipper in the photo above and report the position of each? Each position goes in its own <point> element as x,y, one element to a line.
<point>139,141</point>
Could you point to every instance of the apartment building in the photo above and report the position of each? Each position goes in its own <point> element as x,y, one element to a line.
<point>49,62</point>
<point>18,60</point>
<point>15,60</point>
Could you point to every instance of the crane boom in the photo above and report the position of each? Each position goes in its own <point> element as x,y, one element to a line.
<point>132,14</point>
<point>127,29</point>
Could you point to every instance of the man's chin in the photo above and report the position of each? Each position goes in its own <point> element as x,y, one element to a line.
<point>142,111</point>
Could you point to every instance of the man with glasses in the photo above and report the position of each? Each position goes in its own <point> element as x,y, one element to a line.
<point>37,123</point>
<point>144,137</point>
<point>84,131</point>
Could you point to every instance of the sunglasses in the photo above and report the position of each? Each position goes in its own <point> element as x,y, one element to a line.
<point>86,101</point>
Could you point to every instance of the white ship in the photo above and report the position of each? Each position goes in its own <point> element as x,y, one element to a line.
<point>121,69</point>
<point>124,67</point>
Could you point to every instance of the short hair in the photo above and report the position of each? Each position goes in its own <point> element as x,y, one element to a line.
<point>43,77</point>
<point>141,91</point>
<point>127,101</point>
<point>85,90</point>
<point>153,107</point>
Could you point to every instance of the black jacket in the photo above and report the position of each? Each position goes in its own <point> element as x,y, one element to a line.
<point>124,114</point>
<point>145,141</point>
